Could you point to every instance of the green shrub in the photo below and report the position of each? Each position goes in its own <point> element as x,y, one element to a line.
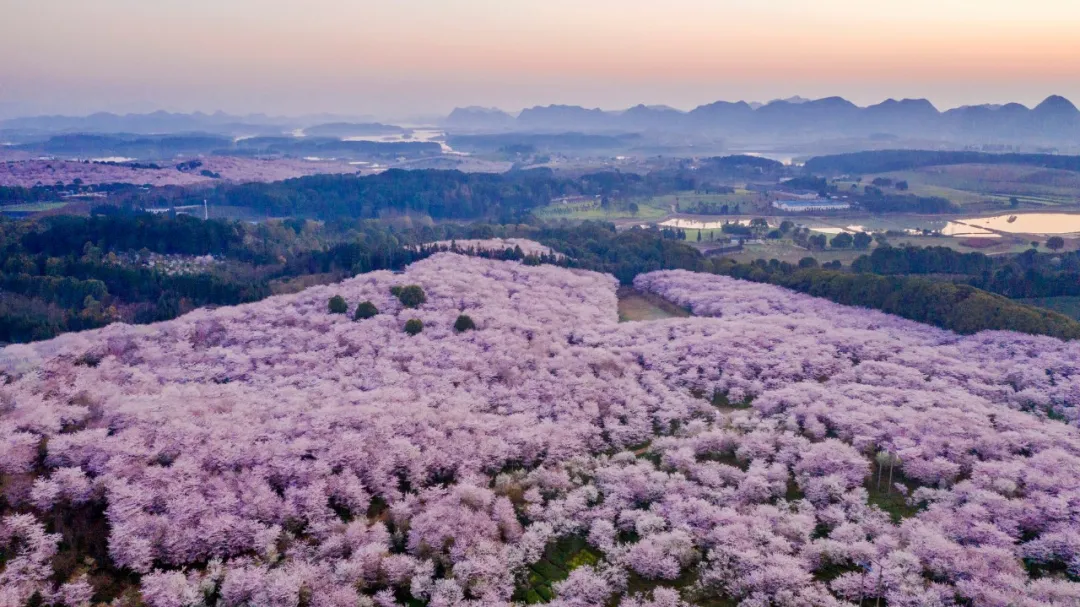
<point>337,305</point>
<point>411,296</point>
<point>414,326</point>
<point>365,310</point>
<point>464,323</point>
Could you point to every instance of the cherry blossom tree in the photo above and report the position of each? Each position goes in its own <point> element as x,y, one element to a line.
<point>773,449</point>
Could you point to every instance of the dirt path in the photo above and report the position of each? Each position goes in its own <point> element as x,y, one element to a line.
<point>637,306</point>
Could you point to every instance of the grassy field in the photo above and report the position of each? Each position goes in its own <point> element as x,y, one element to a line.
<point>998,246</point>
<point>637,306</point>
<point>686,202</point>
<point>1069,306</point>
<point>32,207</point>
<point>786,250</point>
<point>647,211</point>
<point>706,235</point>
<point>978,184</point>
<point>657,207</point>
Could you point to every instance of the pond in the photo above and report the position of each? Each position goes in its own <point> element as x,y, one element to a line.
<point>1027,223</point>
<point>693,224</point>
<point>972,227</point>
<point>960,228</point>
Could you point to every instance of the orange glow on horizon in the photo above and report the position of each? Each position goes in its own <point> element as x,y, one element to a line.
<point>200,48</point>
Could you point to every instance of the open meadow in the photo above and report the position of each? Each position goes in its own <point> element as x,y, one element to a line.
<point>985,185</point>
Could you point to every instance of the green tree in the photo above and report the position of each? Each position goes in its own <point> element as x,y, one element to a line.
<point>414,326</point>
<point>817,241</point>
<point>1055,243</point>
<point>365,310</point>
<point>337,305</point>
<point>464,323</point>
<point>843,240</point>
<point>808,262</point>
<point>863,240</point>
<point>759,226</point>
<point>411,296</point>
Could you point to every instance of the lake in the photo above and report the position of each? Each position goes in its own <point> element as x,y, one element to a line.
<point>973,227</point>
<point>693,224</point>
<point>1026,223</point>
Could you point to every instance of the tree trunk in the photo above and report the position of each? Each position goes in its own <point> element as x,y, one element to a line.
<point>877,601</point>
<point>892,462</point>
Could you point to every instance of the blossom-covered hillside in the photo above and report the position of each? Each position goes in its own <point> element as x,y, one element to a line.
<point>30,172</point>
<point>774,450</point>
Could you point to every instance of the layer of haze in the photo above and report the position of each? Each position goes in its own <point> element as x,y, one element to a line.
<point>396,58</point>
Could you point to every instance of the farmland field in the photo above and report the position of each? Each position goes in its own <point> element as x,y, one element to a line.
<point>973,184</point>
<point>1070,306</point>
<point>585,211</point>
<point>635,305</point>
<point>32,207</point>
<point>687,201</point>
<point>786,250</point>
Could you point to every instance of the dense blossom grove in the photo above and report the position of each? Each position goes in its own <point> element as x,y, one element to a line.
<point>526,246</point>
<point>31,172</point>
<point>776,449</point>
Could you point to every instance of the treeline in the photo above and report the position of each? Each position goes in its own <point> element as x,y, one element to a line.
<point>963,308</point>
<point>1027,275</point>
<point>170,146</point>
<point>48,193</point>
<point>114,230</point>
<point>71,273</point>
<point>329,147</point>
<point>957,307</point>
<point>531,142</point>
<point>438,194</point>
<point>877,201</point>
<point>67,273</point>
<point>883,161</point>
<point>599,247</point>
<point>16,194</point>
<point>503,198</point>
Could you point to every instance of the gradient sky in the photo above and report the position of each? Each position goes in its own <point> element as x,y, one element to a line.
<point>394,58</point>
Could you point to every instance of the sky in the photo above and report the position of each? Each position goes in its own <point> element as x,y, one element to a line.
<point>401,58</point>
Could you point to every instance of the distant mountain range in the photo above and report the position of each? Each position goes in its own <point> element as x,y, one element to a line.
<point>1053,122</point>
<point>1056,118</point>
<point>161,122</point>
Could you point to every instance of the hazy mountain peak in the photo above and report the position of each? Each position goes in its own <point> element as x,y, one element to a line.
<point>476,109</point>
<point>1058,105</point>
<point>835,102</point>
<point>480,118</point>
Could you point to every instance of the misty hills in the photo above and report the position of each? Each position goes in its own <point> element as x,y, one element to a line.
<point>1053,122</point>
<point>159,122</point>
<point>1056,118</point>
<point>167,147</point>
<point>217,123</point>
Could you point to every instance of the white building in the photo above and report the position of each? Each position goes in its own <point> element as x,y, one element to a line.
<point>818,204</point>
